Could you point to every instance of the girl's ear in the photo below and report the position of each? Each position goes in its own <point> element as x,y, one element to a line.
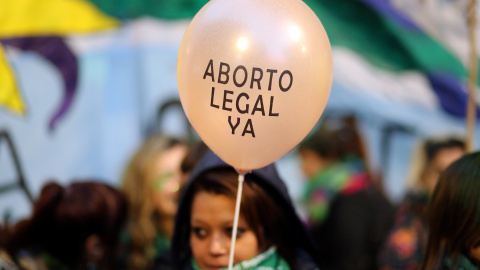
<point>94,248</point>
<point>264,245</point>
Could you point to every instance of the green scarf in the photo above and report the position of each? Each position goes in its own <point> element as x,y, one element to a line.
<point>161,244</point>
<point>53,263</point>
<point>463,264</point>
<point>340,177</point>
<point>268,260</point>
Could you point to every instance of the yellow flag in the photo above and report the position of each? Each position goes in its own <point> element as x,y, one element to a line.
<point>51,17</point>
<point>10,97</point>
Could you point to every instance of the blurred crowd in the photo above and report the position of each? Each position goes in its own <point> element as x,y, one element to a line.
<point>174,209</point>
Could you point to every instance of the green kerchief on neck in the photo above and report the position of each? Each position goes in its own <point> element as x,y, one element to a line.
<point>268,260</point>
<point>462,263</point>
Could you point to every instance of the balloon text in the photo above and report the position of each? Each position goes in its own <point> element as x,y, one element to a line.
<point>240,102</point>
<point>257,76</point>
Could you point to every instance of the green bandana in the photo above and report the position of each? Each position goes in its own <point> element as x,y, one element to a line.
<point>268,260</point>
<point>161,244</point>
<point>344,177</point>
<point>462,264</point>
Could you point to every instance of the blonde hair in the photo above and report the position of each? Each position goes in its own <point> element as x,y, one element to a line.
<point>137,185</point>
<point>417,166</point>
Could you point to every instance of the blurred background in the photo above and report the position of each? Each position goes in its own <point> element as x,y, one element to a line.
<point>84,82</point>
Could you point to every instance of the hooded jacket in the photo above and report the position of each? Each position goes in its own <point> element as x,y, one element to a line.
<point>268,179</point>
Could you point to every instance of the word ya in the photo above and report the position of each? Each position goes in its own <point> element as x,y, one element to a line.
<point>247,129</point>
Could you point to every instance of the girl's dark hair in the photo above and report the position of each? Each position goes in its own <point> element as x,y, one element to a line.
<point>194,155</point>
<point>63,218</point>
<point>257,207</point>
<point>337,137</point>
<point>454,212</point>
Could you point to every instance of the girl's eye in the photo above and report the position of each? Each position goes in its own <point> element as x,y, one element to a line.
<point>477,244</point>
<point>199,232</point>
<point>240,231</point>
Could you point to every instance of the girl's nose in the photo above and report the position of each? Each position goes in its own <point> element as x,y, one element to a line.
<point>218,245</point>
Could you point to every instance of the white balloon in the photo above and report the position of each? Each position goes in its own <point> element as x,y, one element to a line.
<point>254,77</point>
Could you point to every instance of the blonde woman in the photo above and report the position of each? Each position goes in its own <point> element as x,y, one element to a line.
<point>151,184</point>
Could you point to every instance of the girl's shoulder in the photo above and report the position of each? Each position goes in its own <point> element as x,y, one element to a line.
<point>25,261</point>
<point>6,262</point>
<point>304,261</point>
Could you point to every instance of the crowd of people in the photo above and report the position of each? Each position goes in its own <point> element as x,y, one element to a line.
<point>174,209</point>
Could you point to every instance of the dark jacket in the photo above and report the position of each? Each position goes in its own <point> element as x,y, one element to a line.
<point>405,245</point>
<point>269,180</point>
<point>352,234</point>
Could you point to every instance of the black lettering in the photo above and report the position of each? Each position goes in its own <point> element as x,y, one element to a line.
<point>211,100</point>
<point>225,100</point>
<point>207,73</point>
<point>256,79</point>
<point>280,80</point>
<point>223,73</point>
<point>238,101</point>
<point>259,106</point>
<point>232,126</point>
<point>271,71</point>
<point>235,76</point>
<point>271,106</point>
<point>245,130</point>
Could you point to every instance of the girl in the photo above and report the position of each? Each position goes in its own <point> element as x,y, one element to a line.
<point>151,184</point>
<point>406,243</point>
<point>73,227</point>
<point>270,233</point>
<point>454,218</point>
<point>348,216</point>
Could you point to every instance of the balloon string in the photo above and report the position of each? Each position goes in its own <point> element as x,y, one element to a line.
<point>241,178</point>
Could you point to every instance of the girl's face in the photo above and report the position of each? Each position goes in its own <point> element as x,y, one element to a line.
<point>211,229</point>
<point>312,163</point>
<point>440,162</point>
<point>167,176</point>
<point>475,253</point>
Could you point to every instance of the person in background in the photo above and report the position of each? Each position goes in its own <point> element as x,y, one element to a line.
<point>72,227</point>
<point>405,245</point>
<point>270,234</point>
<point>151,184</point>
<point>453,216</point>
<point>348,216</point>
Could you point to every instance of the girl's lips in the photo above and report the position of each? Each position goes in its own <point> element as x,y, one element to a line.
<point>216,267</point>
